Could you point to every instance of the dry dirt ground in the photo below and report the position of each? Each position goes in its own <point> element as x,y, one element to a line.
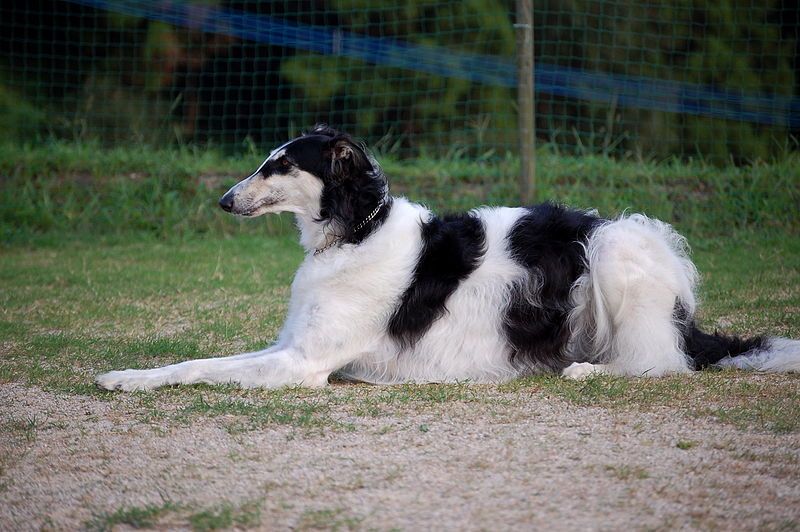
<point>480,458</point>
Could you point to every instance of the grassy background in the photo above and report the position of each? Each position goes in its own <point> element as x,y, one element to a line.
<point>61,190</point>
<point>120,258</point>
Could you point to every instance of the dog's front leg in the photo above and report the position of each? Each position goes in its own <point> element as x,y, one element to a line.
<point>322,333</point>
<point>271,368</point>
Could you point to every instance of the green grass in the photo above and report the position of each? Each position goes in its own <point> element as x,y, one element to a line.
<point>119,258</point>
<point>68,309</point>
<point>53,191</point>
<point>240,410</point>
<point>133,516</point>
<point>71,311</point>
<point>328,519</point>
<point>763,402</point>
<point>223,516</point>
<point>778,413</point>
<point>226,516</point>
<point>262,408</point>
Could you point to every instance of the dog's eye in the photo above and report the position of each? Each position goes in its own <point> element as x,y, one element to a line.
<point>284,162</point>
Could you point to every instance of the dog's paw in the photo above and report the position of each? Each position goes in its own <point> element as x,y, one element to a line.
<point>581,370</point>
<point>128,380</point>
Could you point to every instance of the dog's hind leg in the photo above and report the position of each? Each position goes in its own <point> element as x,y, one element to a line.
<point>270,368</point>
<point>638,272</point>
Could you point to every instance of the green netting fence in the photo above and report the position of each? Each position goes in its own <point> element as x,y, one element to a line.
<point>713,79</point>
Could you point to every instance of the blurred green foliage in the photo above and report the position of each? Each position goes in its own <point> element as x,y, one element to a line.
<point>115,78</point>
<point>727,45</point>
<point>20,120</point>
<point>409,104</point>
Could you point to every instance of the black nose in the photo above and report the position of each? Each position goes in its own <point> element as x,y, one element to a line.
<point>226,202</point>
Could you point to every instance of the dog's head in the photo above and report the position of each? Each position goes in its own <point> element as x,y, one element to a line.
<point>323,173</point>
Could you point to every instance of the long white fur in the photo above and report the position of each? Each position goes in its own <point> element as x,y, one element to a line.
<point>637,269</point>
<point>341,301</point>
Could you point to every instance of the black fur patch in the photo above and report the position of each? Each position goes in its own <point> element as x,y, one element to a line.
<point>548,243</point>
<point>452,247</point>
<point>352,187</point>
<point>707,349</point>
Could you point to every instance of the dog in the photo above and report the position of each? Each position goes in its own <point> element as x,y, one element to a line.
<point>390,293</point>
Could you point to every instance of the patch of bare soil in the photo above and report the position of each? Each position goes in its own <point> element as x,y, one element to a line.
<point>518,463</point>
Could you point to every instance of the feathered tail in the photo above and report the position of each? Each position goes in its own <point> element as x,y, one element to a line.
<point>760,353</point>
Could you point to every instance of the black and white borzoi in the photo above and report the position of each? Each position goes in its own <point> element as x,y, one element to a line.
<point>389,292</point>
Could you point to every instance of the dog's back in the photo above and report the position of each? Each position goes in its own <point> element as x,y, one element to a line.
<point>388,292</point>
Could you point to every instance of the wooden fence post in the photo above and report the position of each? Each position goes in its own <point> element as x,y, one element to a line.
<point>525,101</point>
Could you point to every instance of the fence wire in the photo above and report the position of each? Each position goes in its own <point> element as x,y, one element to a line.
<point>717,80</point>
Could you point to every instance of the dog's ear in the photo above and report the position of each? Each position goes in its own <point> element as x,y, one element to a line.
<point>346,158</point>
<point>353,188</point>
<point>342,150</point>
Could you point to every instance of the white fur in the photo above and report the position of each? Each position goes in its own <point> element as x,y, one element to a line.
<point>638,268</point>
<point>467,343</point>
<point>342,299</point>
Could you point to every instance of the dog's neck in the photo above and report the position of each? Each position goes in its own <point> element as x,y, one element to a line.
<point>313,233</point>
<point>317,236</point>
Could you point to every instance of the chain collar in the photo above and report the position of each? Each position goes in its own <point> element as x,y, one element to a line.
<point>356,229</point>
